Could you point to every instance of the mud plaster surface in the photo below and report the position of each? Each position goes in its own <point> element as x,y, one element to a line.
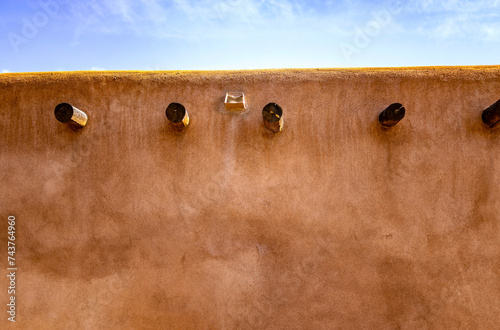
<point>333,224</point>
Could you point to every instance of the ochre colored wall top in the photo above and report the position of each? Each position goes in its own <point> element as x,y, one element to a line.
<point>335,223</point>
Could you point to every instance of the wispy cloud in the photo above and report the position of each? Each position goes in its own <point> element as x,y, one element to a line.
<point>456,6</point>
<point>183,18</point>
<point>484,27</point>
<point>210,18</point>
<point>477,20</point>
<point>96,68</point>
<point>210,34</point>
<point>5,71</point>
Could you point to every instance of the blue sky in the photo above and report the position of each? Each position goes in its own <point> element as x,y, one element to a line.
<point>68,35</point>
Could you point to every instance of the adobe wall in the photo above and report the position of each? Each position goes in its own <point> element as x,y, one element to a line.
<point>335,223</point>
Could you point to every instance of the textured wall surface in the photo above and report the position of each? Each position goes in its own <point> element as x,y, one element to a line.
<point>333,224</point>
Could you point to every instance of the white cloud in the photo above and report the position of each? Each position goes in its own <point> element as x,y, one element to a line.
<point>181,18</point>
<point>96,68</point>
<point>450,27</point>
<point>477,20</point>
<point>200,19</point>
<point>481,27</point>
<point>457,6</point>
<point>202,22</point>
<point>491,31</point>
<point>5,71</point>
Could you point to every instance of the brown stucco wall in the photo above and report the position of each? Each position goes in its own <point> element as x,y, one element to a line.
<point>333,224</point>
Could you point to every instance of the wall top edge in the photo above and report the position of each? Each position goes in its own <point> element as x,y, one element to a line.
<point>458,71</point>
